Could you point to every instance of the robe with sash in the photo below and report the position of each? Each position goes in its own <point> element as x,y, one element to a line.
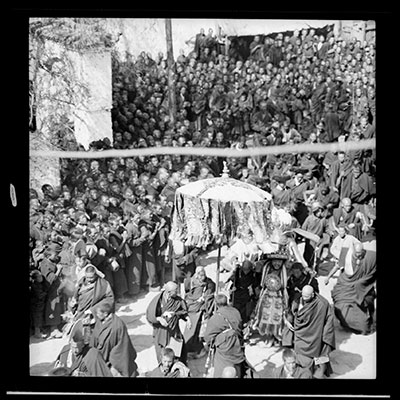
<point>88,296</point>
<point>199,312</point>
<point>314,331</point>
<point>224,331</point>
<point>161,334</point>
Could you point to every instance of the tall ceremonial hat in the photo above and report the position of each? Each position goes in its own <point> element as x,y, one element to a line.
<point>53,248</point>
<point>281,178</point>
<point>91,250</point>
<point>299,170</point>
<point>76,333</point>
<point>316,205</point>
<point>277,256</point>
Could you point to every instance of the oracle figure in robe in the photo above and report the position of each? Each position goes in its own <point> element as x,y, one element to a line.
<point>110,337</point>
<point>273,300</point>
<point>91,290</point>
<point>80,358</point>
<point>200,302</point>
<point>354,293</point>
<point>224,333</point>
<point>314,332</point>
<point>163,313</point>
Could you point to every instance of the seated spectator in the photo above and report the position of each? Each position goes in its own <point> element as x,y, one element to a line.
<point>170,367</point>
<point>290,369</point>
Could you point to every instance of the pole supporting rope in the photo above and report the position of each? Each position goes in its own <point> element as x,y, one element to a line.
<point>211,152</point>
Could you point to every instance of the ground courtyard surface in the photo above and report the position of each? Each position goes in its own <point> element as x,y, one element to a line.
<point>354,357</point>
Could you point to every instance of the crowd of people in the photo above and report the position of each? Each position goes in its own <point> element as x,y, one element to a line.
<point>101,239</point>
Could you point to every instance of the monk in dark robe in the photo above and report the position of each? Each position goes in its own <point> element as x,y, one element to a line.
<point>290,368</point>
<point>119,250</point>
<point>318,99</point>
<point>358,186</point>
<point>38,293</point>
<point>224,334</point>
<point>80,358</point>
<point>317,224</point>
<point>170,367</point>
<point>163,313</point>
<point>245,284</point>
<point>149,230</point>
<point>280,195</point>
<point>354,293</point>
<point>298,278</point>
<point>339,169</point>
<point>348,215</point>
<point>183,262</point>
<point>160,243</point>
<point>200,302</point>
<point>332,124</point>
<point>91,290</point>
<point>102,258</point>
<point>314,332</point>
<point>134,261</point>
<point>110,337</point>
<point>297,186</point>
<point>55,304</point>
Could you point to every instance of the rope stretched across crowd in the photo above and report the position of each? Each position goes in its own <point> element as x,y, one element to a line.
<point>213,152</point>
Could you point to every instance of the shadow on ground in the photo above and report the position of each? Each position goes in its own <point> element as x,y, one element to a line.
<point>132,321</point>
<point>344,362</point>
<point>41,369</point>
<point>142,342</point>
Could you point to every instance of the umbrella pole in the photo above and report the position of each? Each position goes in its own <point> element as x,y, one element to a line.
<point>217,275</point>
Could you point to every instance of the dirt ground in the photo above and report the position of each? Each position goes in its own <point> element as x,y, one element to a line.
<point>354,357</point>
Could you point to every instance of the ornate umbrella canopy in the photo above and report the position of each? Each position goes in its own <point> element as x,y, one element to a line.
<point>208,208</point>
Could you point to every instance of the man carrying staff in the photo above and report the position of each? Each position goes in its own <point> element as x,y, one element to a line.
<point>314,333</point>
<point>163,313</point>
<point>224,333</point>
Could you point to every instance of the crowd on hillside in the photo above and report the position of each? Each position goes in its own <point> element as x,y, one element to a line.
<point>114,213</point>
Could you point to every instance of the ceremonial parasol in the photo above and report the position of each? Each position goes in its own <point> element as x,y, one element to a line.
<point>217,210</point>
